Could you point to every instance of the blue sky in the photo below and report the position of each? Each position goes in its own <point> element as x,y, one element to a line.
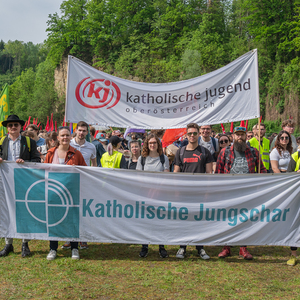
<point>26,20</point>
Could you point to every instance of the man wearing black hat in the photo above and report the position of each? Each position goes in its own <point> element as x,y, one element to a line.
<point>15,147</point>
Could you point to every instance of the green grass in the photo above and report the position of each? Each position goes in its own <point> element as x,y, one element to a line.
<point>115,271</point>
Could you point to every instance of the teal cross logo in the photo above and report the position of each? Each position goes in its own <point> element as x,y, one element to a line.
<point>47,202</point>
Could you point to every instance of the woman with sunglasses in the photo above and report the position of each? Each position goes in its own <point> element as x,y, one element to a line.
<point>280,156</point>
<point>153,159</point>
<point>64,154</point>
<point>224,141</point>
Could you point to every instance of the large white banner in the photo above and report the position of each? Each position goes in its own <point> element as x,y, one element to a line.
<point>54,202</point>
<point>226,95</point>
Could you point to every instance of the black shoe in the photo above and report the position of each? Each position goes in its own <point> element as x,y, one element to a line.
<point>163,252</point>
<point>6,250</point>
<point>144,252</point>
<point>25,250</point>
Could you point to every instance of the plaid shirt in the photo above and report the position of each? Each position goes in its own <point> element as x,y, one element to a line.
<point>224,164</point>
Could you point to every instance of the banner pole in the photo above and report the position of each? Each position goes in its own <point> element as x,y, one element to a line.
<point>259,145</point>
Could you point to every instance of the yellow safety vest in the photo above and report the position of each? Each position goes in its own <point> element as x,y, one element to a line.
<point>295,157</point>
<point>111,161</point>
<point>264,150</point>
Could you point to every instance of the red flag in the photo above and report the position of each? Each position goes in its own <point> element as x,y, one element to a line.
<point>51,123</point>
<point>41,128</point>
<point>33,122</point>
<point>25,125</point>
<point>223,129</point>
<point>247,125</point>
<point>36,120</point>
<point>55,126</point>
<point>47,128</point>
<point>96,133</point>
<point>242,123</point>
<point>64,123</point>
<point>260,119</point>
<point>231,127</point>
<point>172,135</point>
<point>28,122</point>
<point>38,125</point>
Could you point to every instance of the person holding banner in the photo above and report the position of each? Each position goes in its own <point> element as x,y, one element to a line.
<point>64,154</point>
<point>239,159</point>
<point>193,158</point>
<point>15,147</point>
<point>153,159</point>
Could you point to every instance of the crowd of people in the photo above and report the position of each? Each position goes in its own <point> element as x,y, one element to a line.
<point>200,150</point>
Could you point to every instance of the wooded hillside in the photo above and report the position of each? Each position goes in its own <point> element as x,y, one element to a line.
<point>163,41</point>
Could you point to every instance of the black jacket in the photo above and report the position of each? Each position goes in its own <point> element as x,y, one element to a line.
<point>30,156</point>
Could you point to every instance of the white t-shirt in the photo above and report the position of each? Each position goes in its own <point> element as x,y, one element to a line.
<point>88,150</point>
<point>283,159</point>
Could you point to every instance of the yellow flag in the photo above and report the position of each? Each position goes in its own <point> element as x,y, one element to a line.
<point>4,109</point>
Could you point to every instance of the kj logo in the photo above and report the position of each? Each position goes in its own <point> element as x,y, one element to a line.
<point>97,93</point>
<point>47,202</point>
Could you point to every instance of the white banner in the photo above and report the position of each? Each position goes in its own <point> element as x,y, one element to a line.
<point>54,202</point>
<point>226,95</point>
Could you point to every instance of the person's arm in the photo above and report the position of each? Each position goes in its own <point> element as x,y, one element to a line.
<point>274,164</point>
<point>177,161</point>
<point>176,169</point>
<point>209,168</point>
<point>274,157</point>
<point>94,162</point>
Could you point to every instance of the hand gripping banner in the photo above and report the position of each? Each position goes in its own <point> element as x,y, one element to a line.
<point>56,202</point>
<point>226,95</point>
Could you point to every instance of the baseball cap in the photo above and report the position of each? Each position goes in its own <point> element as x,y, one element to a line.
<point>240,129</point>
<point>101,136</point>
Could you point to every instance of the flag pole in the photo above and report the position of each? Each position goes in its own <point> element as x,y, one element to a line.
<point>259,145</point>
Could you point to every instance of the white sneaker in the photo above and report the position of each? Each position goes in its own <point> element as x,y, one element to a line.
<point>203,254</point>
<point>181,253</point>
<point>51,255</point>
<point>75,254</point>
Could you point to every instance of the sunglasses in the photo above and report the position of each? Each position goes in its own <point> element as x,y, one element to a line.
<point>240,129</point>
<point>224,141</point>
<point>250,136</point>
<point>284,138</point>
<point>192,133</point>
<point>13,125</point>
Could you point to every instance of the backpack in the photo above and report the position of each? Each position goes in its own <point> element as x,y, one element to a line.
<point>214,145</point>
<point>27,141</point>
<point>143,159</point>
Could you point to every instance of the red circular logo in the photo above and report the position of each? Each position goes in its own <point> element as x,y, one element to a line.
<point>97,93</point>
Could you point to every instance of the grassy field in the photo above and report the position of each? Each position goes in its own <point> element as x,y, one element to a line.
<point>115,271</point>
